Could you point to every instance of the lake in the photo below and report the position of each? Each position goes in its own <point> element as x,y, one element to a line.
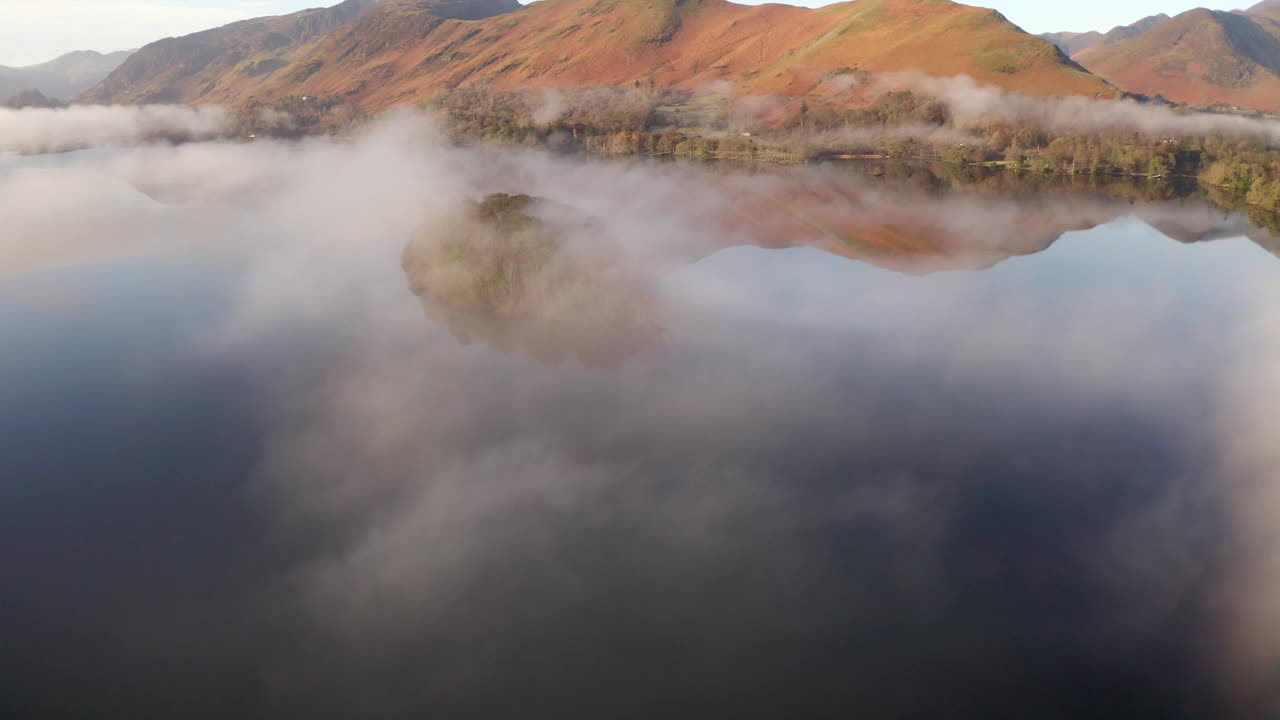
<point>895,445</point>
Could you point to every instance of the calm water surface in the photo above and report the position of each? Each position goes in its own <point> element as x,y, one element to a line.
<point>255,479</point>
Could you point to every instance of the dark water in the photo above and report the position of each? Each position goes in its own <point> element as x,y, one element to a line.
<point>828,489</point>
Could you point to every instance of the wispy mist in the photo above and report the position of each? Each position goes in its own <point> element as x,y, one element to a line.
<point>971,101</point>
<point>40,130</point>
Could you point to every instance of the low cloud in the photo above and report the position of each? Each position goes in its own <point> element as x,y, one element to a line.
<point>602,104</point>
<point>39,130</point>
<point>972,102</point>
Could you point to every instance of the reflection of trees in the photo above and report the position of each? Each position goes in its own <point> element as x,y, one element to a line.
<point>529,275</point>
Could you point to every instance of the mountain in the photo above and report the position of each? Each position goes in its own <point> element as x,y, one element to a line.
<point>30,99</point>
<point>63,78</point>
<point>178,69</point>
<point>398,51</point>
<point>1201,57</point>
<point>1074,43</point>
<point>1266,9</point>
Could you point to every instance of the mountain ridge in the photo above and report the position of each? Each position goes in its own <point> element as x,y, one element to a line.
<point>403,51</point>
<point>1073,43</point>
<point>62,78</point>
<point>1266,8</point>
<point>166,70</point>
<point>1200,57</point>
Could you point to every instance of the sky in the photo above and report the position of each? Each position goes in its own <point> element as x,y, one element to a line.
<point>33,31</point>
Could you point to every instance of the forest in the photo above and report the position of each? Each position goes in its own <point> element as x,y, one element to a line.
<point>901,125</point>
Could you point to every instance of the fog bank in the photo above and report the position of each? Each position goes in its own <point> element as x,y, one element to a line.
<point>970,102</point>
<point>42,130</point>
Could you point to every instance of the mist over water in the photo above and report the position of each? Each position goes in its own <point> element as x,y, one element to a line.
<point>895,448</point>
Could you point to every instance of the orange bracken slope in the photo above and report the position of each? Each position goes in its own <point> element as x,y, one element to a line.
<point>402,51</point>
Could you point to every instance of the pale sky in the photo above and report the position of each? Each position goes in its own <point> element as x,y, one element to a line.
<point>33,31</point>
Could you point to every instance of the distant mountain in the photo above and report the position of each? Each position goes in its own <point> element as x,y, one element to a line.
<point>398,51</point>
<point>1201,57</point>
<point>63,78</point>
<point>31,99</point>
<point>1074,43</point>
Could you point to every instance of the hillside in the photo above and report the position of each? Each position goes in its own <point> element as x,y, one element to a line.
<point>1073,43</point>
<point>178,69</point>
<point>1266,9</point>
<point>63,78</point>
<point>407,50</point>
<point>1201,57</point>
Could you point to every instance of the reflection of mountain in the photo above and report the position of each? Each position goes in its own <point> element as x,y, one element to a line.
<point>1205,226</point>
<point>1266,241</point>
<point>897,226</point>
<point>922,220</point>
<point>523,273</point>
<point>532,276</point>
